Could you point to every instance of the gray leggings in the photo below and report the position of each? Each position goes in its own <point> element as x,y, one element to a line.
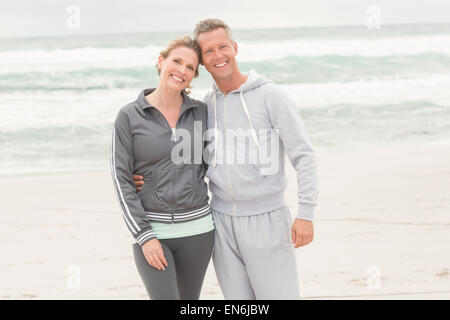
<point>187,258</point>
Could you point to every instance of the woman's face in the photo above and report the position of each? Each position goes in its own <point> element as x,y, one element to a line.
<point>178,69</point>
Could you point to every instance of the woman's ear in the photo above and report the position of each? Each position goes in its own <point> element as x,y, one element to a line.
<point>160,61</point>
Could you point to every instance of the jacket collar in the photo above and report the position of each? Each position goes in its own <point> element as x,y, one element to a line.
<point>142,103</point>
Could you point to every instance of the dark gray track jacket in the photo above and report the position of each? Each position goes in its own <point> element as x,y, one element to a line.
<point>142,143</point>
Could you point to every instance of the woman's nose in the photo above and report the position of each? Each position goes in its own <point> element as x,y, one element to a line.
<point>184,70</point>
<point>181,70</point>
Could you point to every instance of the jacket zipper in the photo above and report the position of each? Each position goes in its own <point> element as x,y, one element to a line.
<point>230,186</point>
<point>172,212</point>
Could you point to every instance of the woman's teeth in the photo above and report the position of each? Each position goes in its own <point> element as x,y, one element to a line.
<point>177,79</point>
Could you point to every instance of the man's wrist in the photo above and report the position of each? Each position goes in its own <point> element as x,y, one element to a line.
<point>305,211</point>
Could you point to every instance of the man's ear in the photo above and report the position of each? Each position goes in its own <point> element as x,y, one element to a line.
<point>235,46</point>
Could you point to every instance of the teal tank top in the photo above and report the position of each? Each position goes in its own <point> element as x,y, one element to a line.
<point>183,229</point>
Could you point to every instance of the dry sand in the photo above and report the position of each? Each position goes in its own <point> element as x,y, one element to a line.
<point>381,231</point>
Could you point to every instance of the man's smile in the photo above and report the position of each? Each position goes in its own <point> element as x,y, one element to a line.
<point>221,65</point>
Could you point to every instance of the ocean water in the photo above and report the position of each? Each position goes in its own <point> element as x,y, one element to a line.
<point>353,87</point>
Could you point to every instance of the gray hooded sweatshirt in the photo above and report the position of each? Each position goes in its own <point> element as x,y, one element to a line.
<point>251,130</point>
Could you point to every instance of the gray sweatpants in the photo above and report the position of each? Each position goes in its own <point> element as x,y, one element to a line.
<point>253,256</point>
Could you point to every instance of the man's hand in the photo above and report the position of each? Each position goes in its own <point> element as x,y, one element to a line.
<point>302,232</point>
<point>154,254</point>
<point>138,181</point>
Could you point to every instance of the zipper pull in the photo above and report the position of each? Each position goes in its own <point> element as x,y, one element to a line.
<point>174,136</point>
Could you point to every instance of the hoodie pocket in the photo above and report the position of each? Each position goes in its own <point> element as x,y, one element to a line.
<point>256,169</point>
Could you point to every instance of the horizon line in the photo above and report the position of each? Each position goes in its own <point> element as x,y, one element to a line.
<point>234,29</point>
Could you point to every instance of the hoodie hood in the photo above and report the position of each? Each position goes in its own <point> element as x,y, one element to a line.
<point>254,80</point>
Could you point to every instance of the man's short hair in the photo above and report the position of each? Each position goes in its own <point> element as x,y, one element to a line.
<point>209,25</point>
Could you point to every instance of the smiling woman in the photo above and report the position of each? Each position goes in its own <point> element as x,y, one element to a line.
<point>177,49</point>
<point>169,218</point>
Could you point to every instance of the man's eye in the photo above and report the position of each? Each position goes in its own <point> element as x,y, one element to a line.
<point>176,60</point>
<point>191,68</point>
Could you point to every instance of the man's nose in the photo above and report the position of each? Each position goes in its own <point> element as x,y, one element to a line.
<point>217,54</point>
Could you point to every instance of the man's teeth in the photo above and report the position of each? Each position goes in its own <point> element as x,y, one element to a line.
<point>178,79</point>
<point>221,65</point>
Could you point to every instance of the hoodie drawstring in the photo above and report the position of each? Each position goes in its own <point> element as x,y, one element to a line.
<point>215,130</point>
<point>244,106</point>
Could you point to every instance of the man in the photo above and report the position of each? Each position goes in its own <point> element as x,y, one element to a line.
<point>253,256</point>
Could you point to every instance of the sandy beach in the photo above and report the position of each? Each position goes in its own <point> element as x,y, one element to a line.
<point>382,231</point>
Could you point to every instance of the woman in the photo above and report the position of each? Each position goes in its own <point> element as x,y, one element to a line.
<point>169,217</point>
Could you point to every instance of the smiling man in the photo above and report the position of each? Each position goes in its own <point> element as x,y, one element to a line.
<point>253,256</point>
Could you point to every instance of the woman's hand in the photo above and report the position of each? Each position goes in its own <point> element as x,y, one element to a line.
<point>154,254</point>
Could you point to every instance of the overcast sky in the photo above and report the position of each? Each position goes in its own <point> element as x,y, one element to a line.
<point>23,18</point>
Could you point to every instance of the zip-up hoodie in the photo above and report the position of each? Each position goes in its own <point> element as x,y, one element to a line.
<point>142,143</point>
<point>258,117</point>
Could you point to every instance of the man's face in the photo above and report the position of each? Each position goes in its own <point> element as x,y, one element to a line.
<point>218,53</point>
